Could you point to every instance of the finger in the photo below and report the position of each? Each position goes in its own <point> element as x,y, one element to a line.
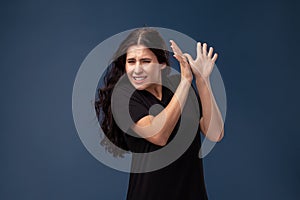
<point>199,51</point>
<point>175,47</point>
<point>210,52</point>
<point>172,45</point>
<point>172,42</point>
<point>178,58</point>
<point>189,57</point>
<point>204,49</point>
<point>215,57</point>
<point>184,60</point>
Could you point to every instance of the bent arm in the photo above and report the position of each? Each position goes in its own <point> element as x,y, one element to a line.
<point>211,123</point>
<point>157,129</point>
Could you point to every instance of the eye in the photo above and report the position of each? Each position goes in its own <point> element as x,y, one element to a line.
<point>146,61</point>
<point>131,61</point>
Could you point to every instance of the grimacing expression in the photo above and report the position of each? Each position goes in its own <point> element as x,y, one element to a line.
<point>143,68</point>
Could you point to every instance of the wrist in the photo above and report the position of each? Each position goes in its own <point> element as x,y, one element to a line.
<point>201,79</point>
<point>185,81</point>
<point>203,83</point>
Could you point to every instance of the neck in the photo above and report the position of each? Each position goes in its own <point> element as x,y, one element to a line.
<point>156,90</point>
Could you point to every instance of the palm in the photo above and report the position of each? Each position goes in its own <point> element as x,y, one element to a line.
<point>185,68</point>
<point>203,65</point>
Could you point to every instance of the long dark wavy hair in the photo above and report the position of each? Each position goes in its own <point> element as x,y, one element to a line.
<point>151,39</point>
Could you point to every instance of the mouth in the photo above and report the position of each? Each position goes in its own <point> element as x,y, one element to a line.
<point>139,78</point>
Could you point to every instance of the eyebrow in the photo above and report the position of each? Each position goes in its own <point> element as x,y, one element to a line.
<point>143,59</point>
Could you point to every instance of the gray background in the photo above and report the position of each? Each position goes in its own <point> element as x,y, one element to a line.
<point>43,44</point>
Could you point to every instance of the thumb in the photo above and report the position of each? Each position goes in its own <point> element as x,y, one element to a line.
<point>189,57</point>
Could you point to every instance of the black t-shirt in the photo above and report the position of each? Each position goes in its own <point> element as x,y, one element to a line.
<point>183,179</point>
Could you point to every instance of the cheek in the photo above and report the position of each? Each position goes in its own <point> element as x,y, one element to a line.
<point>155,70</point>
<point>127,69</point>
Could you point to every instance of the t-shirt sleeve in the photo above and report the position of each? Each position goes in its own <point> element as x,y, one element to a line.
<point>137,107</point>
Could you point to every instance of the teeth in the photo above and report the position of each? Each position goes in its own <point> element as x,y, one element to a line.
<point>139,78</point>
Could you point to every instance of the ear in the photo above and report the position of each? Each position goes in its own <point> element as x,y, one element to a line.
<point>163,65</point>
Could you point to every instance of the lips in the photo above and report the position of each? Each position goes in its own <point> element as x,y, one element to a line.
<point>139,78</point>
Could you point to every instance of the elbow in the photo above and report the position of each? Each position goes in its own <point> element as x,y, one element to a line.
<point>214,133</point>
<point>158,140</point>
<point>215,136</point>
<point>161,144</point>
<point>219,137</point>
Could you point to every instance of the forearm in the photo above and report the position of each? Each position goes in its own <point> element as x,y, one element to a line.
<point>172,111</point>
<point>211,122</point>
<point>159,128</point>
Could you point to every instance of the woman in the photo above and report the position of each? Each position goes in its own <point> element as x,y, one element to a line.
<point>143,57</point>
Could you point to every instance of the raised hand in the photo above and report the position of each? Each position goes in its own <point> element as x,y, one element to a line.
<point>203,65</point>
<point>185,68</point>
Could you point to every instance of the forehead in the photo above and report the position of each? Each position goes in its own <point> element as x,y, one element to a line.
<point>139,51</point>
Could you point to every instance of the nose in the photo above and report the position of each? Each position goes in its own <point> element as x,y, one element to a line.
<point>138,68</point>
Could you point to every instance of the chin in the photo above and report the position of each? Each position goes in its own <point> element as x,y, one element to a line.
<point>139,87</point>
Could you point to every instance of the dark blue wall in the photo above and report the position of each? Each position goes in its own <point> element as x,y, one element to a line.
<point>43,44</point>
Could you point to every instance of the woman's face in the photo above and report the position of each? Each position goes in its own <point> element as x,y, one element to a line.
<point>142,67</point>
